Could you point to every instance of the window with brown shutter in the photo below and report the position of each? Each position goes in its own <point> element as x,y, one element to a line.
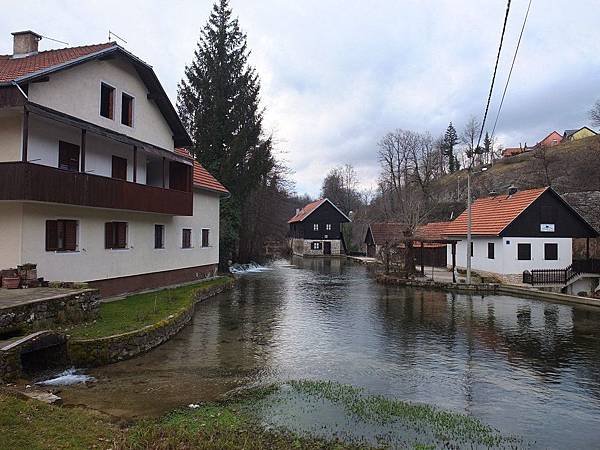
<point>61,235</point>
<point>115,235</point>
<point>126,109</point>
<point>159,236</point>
<point>68,156</point>
<point>205,233</point>
<point>119,168</point>
<point>186,238</point>
<point>107,100</point>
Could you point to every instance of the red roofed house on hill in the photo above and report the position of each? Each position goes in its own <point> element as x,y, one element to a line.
<point>316,230</point>
<point>93,186</point>
<point>519,231</point>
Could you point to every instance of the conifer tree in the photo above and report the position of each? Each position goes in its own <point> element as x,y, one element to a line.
<point>487,147</point>
<point>448,144</point>
<point>219,103</point>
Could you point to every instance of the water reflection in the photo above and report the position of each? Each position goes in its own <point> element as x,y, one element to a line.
<point>524,366</point>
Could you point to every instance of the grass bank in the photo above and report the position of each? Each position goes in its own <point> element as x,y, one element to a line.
<point>140,310</point>
<point>274,417</point>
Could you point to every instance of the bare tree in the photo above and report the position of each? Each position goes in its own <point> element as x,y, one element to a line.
<point>469,137</point>
<point>595,114</point>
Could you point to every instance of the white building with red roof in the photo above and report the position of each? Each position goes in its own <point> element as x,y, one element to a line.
<point>94,186</point>
<point>531,230</point>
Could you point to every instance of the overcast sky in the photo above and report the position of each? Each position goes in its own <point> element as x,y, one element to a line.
<point>338,75</point>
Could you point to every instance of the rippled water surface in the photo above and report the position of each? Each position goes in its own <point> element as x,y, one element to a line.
<point>523,366</point>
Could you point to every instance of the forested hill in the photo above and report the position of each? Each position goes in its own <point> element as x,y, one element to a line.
<point>571,167</point>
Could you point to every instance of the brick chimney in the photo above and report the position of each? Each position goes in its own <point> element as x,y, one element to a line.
<point>25,43</point>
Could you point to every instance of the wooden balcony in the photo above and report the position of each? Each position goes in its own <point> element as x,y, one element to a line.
<point>24,181</point>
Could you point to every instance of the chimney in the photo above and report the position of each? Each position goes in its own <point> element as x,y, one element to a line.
<point>512,190</point>
<point>297,211</point>
<point>25,43</point>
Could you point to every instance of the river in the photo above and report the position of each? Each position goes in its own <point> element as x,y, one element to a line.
<point>526,367</point>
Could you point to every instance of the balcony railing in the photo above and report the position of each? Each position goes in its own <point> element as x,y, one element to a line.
<point>35,182</point>
<point>561,276</point>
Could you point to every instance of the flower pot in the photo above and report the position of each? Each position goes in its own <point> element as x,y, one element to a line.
<point>11,282</point>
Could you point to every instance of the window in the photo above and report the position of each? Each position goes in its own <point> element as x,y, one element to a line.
<point>186,238</point>
<point>328,227</point>
<point>119,168</point>
<point>315,246</point>
<point>61,235</point>
<point>127,109</point>
<point>491,250</point>
<point>551,252</point>
<point>68,156</point>
<point>315,227</point>
<point>107,100</point>
<point>159,236</point>
<point>205,242</point>
<point>115,235</point>
<point>471,249</point>
<point>524,252</point>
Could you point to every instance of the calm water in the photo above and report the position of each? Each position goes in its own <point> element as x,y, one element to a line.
<point>523,366</point>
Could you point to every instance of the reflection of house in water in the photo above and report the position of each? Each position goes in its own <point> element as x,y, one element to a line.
<point>330,266</point>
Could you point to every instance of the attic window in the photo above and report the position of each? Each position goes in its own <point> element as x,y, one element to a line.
<point>107,100</point>
<point>127,109</point>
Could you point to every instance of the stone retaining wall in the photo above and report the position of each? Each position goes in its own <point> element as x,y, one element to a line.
<point>107,350</point>
<point>62,309</point>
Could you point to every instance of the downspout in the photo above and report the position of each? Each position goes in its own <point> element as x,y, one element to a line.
<point>13,82</point>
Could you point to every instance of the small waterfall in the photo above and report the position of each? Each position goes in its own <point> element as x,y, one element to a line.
<point>67,378</point>
<point>251,267</point>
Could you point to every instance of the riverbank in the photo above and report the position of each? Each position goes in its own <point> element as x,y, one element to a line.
<point>246,420</point>
<point>489,288</point>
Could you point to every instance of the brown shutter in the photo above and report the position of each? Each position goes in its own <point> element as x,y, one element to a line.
<point>70,235</point>
<point>121,234</point>
<point>108,235</point>
<point>51,235</point>
<point>111,96</point>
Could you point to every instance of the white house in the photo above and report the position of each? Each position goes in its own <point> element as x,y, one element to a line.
<point>517,232</point>
<point>93,184</point>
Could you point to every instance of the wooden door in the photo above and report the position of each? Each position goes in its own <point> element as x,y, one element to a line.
<point>327,248</point>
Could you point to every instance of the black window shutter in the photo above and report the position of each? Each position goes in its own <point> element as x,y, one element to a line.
<point>108,235</point>
<point>121,234</point>
<point>70,235</point>
<point>51,235</point>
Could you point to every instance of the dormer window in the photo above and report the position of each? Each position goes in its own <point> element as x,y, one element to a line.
<point>107,100</point>
<point>127,109</point>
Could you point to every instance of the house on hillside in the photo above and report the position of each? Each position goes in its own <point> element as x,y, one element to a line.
<point>94,186</point>
<point>316,230</point>
<point>518,232</point>
<point>574,135</point>
<point>551,140</point>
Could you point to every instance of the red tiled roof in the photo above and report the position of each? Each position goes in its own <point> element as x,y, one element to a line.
<point>202,177</point>
<point>432,231</point>
<point>512,151</point>
<point>387,232</point>
<point>304,212</point>
<point>490,215</point>
<point>11,69</point>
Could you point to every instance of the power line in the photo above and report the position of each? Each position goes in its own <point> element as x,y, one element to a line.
<point>511,67</point>
<point>487,106</point>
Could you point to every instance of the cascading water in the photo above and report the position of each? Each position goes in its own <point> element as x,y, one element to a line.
<point>251,267</point>
<point>67,378</point>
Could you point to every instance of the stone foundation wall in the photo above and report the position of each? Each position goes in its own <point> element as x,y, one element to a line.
<point>302,247</point>
<point>107,350</point>
<point>82,306</point>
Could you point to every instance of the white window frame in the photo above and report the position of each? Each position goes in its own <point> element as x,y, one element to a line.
<point>128,243</point>
<point>191,238</point>
<point>100,101</point>
<point>317,244</point>
<point>78,247</point>
<point>557,251</point>
<point>132,109</point>
<point>164,237</point>
<point>315,227</point>
<point>328,227</point>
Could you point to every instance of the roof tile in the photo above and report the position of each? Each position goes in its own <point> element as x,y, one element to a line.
<point>304,212</point>
<point>202,177</point>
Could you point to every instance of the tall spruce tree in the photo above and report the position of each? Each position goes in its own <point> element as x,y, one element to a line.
<point>219,103</point>
<point>487,148</point>
<point>448,144</point>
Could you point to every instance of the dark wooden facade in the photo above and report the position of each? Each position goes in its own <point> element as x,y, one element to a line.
<point>549,208</point>
<point>325,214</point>
<point>23,181</point>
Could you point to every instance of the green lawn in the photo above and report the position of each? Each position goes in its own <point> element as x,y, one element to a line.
<point>32,425</point>
<point>137,311</point>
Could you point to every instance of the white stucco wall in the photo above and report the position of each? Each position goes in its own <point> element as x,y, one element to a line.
<point>505,261</point>
<point>76,91</point>
<point>11,215</point>
<point>10,136</point>
<point>92,261</point>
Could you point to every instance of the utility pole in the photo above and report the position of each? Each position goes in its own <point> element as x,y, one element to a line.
<point>469,223</point>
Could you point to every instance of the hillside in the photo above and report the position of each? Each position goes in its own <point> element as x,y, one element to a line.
<point>572,167</point>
